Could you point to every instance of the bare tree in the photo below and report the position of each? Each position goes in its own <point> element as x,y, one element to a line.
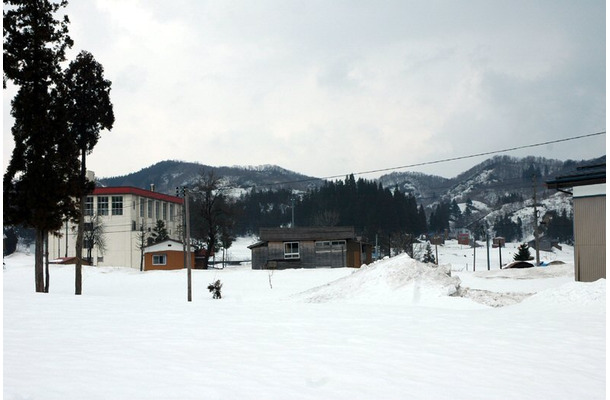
<point>213,215</point>
<point>94,236</point>
<point>142,242</point>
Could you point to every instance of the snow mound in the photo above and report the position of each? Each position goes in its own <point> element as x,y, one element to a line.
<point>550,271</point>
<point>398,280</point>
<point>591,294</point>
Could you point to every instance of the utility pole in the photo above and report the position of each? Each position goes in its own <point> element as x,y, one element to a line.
<point>188,245</point>
<point>536,237</point>
<point>487,240</point>
<point>182,191</point>
<point>474,254</point>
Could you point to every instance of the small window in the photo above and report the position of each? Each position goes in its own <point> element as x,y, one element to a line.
<point>133,225</point>
<point>164,211</point>
<point>150,208</point>
<point>141,208</point>
<point>88,206</point>
<point>117,205</point>
<point>291,250</point>
<point>172,211</point>
<point>157,212</point>
<point>102,205</point>
<point>159,259</point>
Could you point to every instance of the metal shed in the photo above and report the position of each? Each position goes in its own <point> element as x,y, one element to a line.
<point>588,186</point>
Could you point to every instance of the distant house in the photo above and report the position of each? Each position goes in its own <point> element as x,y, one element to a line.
<point>168,254</point>
<point>315,247</point>
<point>123,211</point>
<point>588,186</point>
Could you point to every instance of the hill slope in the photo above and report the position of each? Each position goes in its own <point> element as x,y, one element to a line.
<point>167,175</point>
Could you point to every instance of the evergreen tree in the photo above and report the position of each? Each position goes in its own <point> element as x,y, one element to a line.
<point>560,227</point>
<point>505,227</point>
<point>159,233</point>
<point>455,211</point>
<point>86,96</point>
<point>523,253</point>
<point>428,255</point>
<point>41,180</point>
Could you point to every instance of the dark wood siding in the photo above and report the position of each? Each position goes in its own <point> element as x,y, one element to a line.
<point>320,247</point>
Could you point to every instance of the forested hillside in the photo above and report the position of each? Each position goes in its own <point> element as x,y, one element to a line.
<point>495,196</point>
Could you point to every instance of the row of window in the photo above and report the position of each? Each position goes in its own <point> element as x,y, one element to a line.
<point>103,205</point>
<point>147,206</point>
<point>291,249</point>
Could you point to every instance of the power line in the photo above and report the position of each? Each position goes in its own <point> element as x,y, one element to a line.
<point>444,160</point>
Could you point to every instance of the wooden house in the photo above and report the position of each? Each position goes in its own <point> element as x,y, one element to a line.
<point>315,247</point>
<point>168,254</point>
<point>587,185</point>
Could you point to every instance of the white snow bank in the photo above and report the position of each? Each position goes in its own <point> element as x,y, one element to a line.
<point>551,271</point>
<point>398,280</point>
<point>573,294</point>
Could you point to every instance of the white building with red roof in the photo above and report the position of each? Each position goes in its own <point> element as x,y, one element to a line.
<point>123,211</point>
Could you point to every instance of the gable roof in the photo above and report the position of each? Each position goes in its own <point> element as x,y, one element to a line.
<point>309,233</point>
<point>166,245</point>
<point>585,175</point>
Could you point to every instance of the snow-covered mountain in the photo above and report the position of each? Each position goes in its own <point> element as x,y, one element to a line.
<point>167,175</point>
<point>498,186</point>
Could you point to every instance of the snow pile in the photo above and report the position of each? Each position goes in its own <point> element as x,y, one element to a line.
<point>398,280</point>
<point>572,294</point>
<point>551,271</point>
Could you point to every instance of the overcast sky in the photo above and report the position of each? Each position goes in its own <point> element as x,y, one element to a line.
<point>333,87</point>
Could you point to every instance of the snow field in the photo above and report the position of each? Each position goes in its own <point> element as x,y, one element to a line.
<point>389,330</point>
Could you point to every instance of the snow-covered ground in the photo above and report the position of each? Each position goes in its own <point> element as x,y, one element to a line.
<point>395,329</point>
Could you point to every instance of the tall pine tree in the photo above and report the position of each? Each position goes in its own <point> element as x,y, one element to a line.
<point>42,177</point>
<point>86,95</point>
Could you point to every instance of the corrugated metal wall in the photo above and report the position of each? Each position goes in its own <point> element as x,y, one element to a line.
<point>590,238</point>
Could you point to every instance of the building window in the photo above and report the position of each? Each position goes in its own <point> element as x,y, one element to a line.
<point>102,205</point>
<point>164,207</point>
<point>327,246</point>
<point>291,250</point>
<point>157,211</point>
<point>150,208</point>
<point>141,208</point>
<point>117,205</point>
<point>172,211</point>
<point>88,206</point>
<point>159,259</point>
<point>133,225</point>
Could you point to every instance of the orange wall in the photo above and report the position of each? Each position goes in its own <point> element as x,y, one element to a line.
<point>175,260</point>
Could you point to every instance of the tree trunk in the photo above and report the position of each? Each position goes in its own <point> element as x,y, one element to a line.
<point>46,263</point>
<point>79,250</point>
<point>38,263</point>
<point>78,269</point>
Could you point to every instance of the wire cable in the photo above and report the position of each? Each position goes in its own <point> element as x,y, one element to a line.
<point>444,160</point>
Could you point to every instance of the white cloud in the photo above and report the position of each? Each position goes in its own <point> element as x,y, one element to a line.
<point>327,88</point>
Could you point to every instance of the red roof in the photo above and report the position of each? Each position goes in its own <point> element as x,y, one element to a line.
<point>138,192</point>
